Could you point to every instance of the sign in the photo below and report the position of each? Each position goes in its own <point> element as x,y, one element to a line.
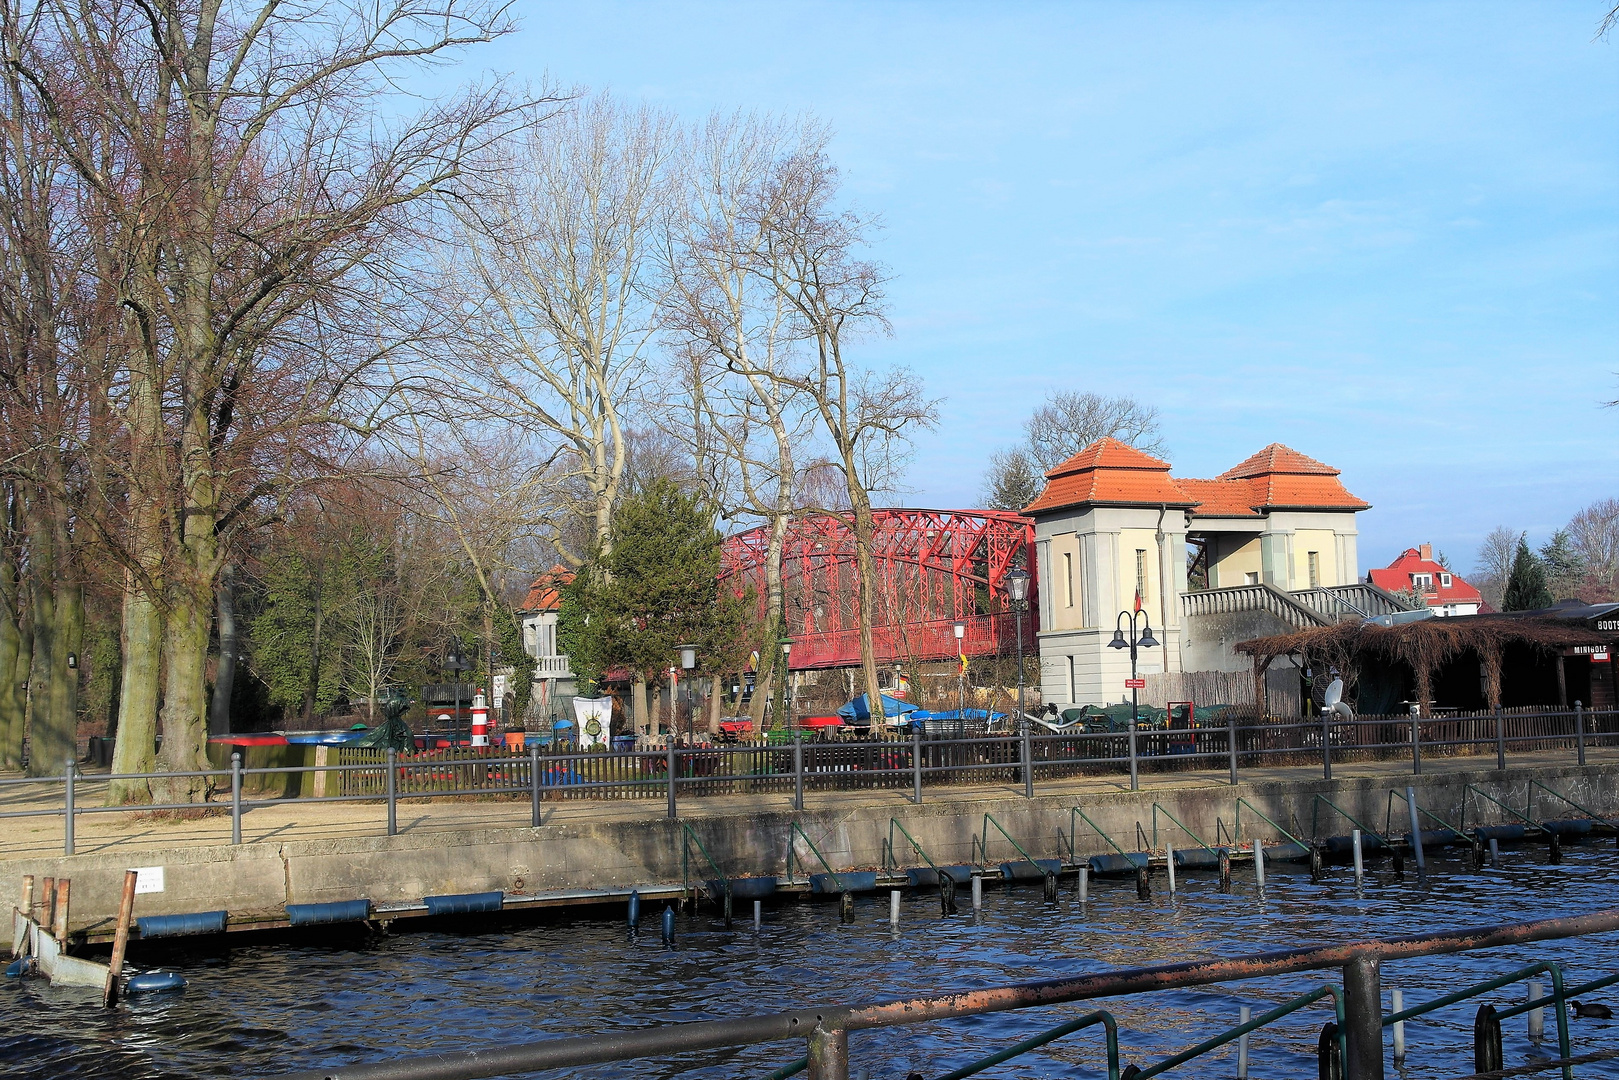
<point>148,879</point>
<point>594,715</point>
<point>1608,624</point>
<point>1587,650</point>
<point>500,690</point>
<point>1135,684</point>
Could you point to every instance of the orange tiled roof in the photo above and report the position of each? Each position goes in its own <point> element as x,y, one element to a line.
<point>1110,473</point>
<point>546,592</point>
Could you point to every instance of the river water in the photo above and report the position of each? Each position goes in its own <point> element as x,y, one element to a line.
<point>261,1009</point>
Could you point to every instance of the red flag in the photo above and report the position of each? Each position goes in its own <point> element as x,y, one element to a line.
<point>1138,600</point>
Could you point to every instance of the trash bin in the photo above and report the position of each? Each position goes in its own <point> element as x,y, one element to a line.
<point>624,742</point>
<point>516,740</point>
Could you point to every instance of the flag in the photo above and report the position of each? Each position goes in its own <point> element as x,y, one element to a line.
<point>1138,601</point>
<point>964,662</point>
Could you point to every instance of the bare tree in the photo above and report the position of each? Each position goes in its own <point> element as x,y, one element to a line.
<point>1594,532</point>
<point>1071,420</point>
<point>1493,566</point>
<point>556,289</point>
<point>808,253</point>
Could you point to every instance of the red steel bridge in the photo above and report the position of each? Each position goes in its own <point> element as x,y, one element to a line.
<point>934,568</point>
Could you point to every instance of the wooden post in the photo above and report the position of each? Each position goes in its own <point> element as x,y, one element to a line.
<point>27,907</point>
<point>47,901</point>
<point>1490,660</point>
<point>120,940</point>
<point>59,917</point>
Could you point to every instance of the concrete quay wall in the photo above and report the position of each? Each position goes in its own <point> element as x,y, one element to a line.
<point>253,881</point>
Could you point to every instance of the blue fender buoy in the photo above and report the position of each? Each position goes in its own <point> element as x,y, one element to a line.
<point>17,968</point>
<point>634,916</point>
<point>669,925</point>
<point>152,982</point>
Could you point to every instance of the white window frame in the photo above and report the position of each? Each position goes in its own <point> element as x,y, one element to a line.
<point>1444,581</point>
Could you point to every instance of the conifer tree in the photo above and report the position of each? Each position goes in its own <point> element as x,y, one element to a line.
<point>1526,584</point>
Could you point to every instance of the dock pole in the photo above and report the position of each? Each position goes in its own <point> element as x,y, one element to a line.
<point>64,891</point>
<point>534,786</point>
<point>1231,746</point>
<point>67,834</point>
<point>1416,739</point>
<point>1579,729</point>
<point>798,772</point>
<point>392,788</point>
<point>916,765</point>
<point>120,941</point>
<point>236,798</point>
<point>1399,1029</point>
<point>1243,1017</point>
<point>1363,1019</point>
<point>1416,831</point>
<point>1360,869</point>
<point>672,772</point>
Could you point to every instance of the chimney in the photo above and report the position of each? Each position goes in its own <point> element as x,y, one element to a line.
<point>1427,553</point>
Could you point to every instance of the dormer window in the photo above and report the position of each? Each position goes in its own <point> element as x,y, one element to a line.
<point>1422,582</point>
<point>1444,581</point>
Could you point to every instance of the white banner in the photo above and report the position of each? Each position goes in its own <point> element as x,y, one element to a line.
<point>595,715</point>
<point>500,690</point>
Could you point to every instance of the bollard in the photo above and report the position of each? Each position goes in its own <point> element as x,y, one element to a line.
<point>391,789</point>
<point>1397,862</point>
<point>1360,866</point>
<point>1225,870</point>
<point>1315,863</point>
<point>1500,740</point>
<point>758,914</point>
<point>1143,886</point>
<point>893,907</point>
<point>67,817</point>
<point>534,786</point>
<point>236,798</point>
<point>27,906</point>
<point>1399,1030</point>
<point>1231,747</point>
<point>1051,887</point>
<point>1416,831</point>
<point>1328,1065</point>
<point>846,907</point>
<point>947,895</point>
<point>1487,1055</point>
<point>47,901</point>
<point>1416,740</point>
<point>1243,1017</point>
<point>1537,1016</point>
<point>1363,1019</point>
<point>1579,729</point>
<point>1326,744</point>
<point>671,764</point>
<point>58,928</point>
<point>120,941</point>
<point>667,926</point>
<point>916,763</point>
<point>798,770</point>
<point>1259,866</point>
<point>1169,863</point>
<point>978,893</point>
<point>1084,884</point>
<point>1478,855</point>
<point>1495,853</point>
<point>633,914</point>
<point>1554,849</point>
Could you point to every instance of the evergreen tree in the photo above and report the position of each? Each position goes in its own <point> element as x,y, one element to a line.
<point>654,589</point>
<point>1564,567</point>
<point>1526,584</point>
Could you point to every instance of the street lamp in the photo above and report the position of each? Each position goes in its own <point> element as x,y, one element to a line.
<point>961,672</point>
<point>787,679</point>
<point>454,663</point>
<point>1144,641</point>
<point>1017,587</point>
<point>688,661</point>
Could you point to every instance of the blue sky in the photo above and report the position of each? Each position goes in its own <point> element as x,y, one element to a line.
<point>1384,234</point>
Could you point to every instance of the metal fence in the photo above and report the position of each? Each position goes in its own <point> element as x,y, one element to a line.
<point>921,761</point>
<point>1351,1046</point>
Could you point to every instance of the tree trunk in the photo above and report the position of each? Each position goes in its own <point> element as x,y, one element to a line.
<point>135,748</point>
<point>312,690</point>
<point>775,620</point>
<point>219,722</point>
<point>714,694</point>
<point>185,725</point>
<point>638,707</point>
<point>58,602</point>
<point>863,528</point>
<point>15,660</point>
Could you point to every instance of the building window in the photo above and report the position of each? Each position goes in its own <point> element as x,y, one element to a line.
<point>1073,691</point>
<point>1141,574</point>
<point>1068,577</point>
<point>1250,579</point>
<point>1314,559</point>
<point>1422,582</point>
<point>1444,580</point>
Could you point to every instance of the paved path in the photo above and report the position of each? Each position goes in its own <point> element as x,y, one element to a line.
<point>299,820</point>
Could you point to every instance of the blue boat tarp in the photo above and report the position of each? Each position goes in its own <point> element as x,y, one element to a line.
<point>858,711</point>
<point>977,715</point>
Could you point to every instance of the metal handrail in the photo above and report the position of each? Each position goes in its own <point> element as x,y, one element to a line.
<point>1592,814</point>
<point>1502,805</point>
<point>1257,1022</point>
<point>1103,1017</point>
<point>686,839</point>
<point>983,843</point>
<point>1184,829</point>
<point>1547,966</point>
<point>1315,806</point>
<point>827,1027</point>
<point>891,862</point>
<point>1258,844</point>
<point>1076,810</point>
<point>795,828</point>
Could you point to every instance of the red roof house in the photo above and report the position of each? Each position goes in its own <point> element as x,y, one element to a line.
<point>1415,572</point>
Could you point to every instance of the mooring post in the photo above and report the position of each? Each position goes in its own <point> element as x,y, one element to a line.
<point>1579,729</point>
<point>1398,1005</point>
<point>534,785</point>
<point>893,907</point>
<point>1363,1019</point>
<point>978,893</point>
<point>1416,739</point>
<point>798,772</point>
<point>236,798</point>
<point>671,763</point>
<point>1225,869</point>
<point>758,914</point>
<point>47,901</point>
<point>1084,884</point>
<point>1169,864</point>
<point>916,762</point>
<point>67,832</point>
<point>1495,853</point>
<point>1500,740</point>
<point>64,892</point>
<point>120,941</point>
<point>1416,830</point>
<point>1259,865</point>
<point>27,906</point>
<point>1360,870</point>
<point>1537,1015</point>
<point>1326,744</point>
<point>1231,746</point>
<point>1246,1014</point>
<point>1028,761</point>
<point>828,1054</point>
<point>390,786</point>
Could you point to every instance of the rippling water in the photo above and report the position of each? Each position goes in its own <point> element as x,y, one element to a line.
<point>263,1009</point>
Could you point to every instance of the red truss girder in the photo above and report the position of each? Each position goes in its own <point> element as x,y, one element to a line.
<point>933,568</point>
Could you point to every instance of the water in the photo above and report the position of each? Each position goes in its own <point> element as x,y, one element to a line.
<point>258,1010</point>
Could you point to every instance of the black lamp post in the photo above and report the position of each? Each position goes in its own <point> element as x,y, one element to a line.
<point>688,661</point>
<point>961,672</point>
<point>787,680</point>
<point>1017,587</point>
<point>1144,641</point>
<point>455,664</point>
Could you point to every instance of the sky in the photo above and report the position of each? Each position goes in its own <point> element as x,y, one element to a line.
<point>1385,234</point>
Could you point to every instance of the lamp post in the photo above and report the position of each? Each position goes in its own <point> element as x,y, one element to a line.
<point>787,680</point>
<point>688,661</point>
<point>1144,641</point>
<point>961,672</point>
<point>1017,587</point>
<point>455,664</point>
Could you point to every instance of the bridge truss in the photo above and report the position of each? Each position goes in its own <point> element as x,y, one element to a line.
<point>933,568</point>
